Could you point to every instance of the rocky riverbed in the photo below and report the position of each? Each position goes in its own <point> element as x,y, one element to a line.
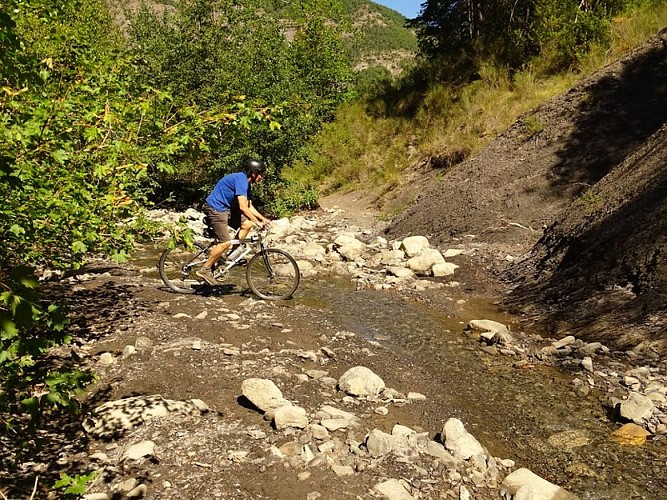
<point>389,375</point>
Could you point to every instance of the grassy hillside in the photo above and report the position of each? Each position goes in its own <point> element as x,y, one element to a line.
<point>380,141</point>
<point>377,34</point>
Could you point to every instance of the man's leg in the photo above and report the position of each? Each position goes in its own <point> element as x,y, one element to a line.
<point>219,223</point>
<point>216,253</point>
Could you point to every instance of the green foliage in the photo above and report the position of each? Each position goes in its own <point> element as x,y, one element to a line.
<point>73,487</point>
<point>373,81</point>
<point>590,201</point>
<point>28,329</point>
<point>462,35</point>
<point>292,198</point>
<point>302,81</point>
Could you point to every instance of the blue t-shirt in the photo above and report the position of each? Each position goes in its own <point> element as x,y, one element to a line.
<point>227,189</point>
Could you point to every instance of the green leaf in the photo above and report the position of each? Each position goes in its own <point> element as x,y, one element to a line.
<point>120,256</point>
<point>59,155</point>
<point>8,327</point>
<point>17,230</point>
<point>32,406</point>
<point>90,134</point>
<point>79,247</point>
<point>64,480</point>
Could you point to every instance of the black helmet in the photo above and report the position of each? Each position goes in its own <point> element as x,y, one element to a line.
<point>251,166</point>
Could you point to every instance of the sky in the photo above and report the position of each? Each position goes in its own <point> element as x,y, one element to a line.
<point>409,8</point>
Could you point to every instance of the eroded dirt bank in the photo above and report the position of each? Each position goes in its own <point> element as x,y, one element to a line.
<point>578,188</point>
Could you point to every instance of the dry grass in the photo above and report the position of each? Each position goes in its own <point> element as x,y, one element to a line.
<point>357,150</point>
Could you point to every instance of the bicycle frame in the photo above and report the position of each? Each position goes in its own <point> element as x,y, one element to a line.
<point>254,243</point>
<point>271,273</point>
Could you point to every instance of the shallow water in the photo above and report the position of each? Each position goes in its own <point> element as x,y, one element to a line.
<point>512,411</point>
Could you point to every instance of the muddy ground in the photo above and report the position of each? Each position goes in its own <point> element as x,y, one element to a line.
<point>144,341</point>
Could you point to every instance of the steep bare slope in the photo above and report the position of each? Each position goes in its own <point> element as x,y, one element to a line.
<point>601,270</point>
<point>574,149</point>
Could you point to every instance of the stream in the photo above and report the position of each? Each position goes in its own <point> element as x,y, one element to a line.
<point>529,415</point>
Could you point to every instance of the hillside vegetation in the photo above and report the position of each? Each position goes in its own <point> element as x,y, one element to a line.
<point>438,114</point>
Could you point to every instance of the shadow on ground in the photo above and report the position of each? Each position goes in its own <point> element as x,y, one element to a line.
<point>34,453</point>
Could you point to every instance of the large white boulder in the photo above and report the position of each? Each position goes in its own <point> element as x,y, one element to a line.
<point>263,394</point>
<point>523,483</point>
<point>459,441</point>
<point>425,260</point>
<point>413,245</point>
<point>361,381</point>
<point>349,247</point>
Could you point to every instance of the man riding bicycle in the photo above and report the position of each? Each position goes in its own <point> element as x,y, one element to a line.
<point>229,204</point>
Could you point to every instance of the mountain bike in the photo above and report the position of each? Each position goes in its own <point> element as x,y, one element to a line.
<point>271,273</point>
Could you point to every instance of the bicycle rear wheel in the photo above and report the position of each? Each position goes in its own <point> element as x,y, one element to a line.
<point>273,274</point>
<point>177,267</point>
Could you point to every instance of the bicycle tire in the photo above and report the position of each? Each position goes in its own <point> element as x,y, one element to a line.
<point>273,274</point>
<point>173,270</point>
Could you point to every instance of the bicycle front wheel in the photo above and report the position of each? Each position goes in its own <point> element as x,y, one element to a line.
<point>177,267</point>
<point>273,274</point>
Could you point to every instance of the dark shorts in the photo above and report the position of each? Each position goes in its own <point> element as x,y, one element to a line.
<point>220,222</point>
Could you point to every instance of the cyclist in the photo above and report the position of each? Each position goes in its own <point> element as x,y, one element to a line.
<point>229,204</point>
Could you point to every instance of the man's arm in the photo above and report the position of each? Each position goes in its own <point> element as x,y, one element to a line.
<point>245,205</point>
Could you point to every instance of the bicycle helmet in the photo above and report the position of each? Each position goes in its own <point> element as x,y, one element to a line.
<point>252,165</point>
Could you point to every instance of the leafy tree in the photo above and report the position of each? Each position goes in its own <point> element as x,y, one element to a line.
<point>81,137</point>
<point>460,35</point>
<point>207,51</point>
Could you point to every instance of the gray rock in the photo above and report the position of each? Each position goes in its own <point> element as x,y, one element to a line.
<point>330,411</point>
<point>335,424</point>
<point>360,381</point>
<point>540,489</point>
<point>400,272</point>
<point>290,416</point>
<point>443,269</point>
<point>414,245</point>
<point>402,430</point>
<point>379,443</point>
<point>487,325</point>
<point>349,247</point>
<point>587,364</point>
<point>319,432</point>
<point>145,449</point>
<point>106,359</point>
<point>393,489</point>
<point>138,492</point>
<point>342,470</point>
<point>566,341</point>
<point>459,441</point>
<point>263,394</point>
<point>636,408</point>
<point>425,260</point>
